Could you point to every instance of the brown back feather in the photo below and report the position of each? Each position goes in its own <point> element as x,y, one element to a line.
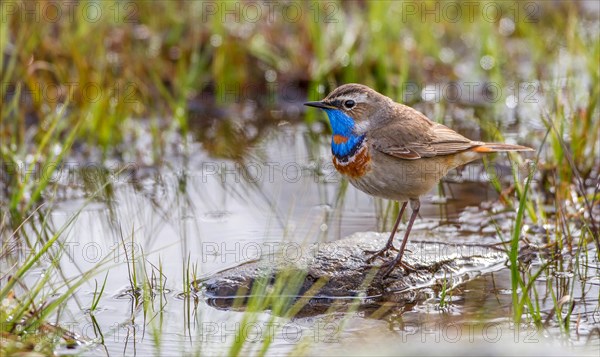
<point>408,134</point>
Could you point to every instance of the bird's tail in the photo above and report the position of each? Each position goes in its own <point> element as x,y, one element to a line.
<point>499,147</point>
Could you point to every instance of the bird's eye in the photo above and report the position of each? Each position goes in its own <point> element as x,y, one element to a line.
<point>349,104</point>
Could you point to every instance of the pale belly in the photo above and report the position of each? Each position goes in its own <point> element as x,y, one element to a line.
<point>398,179</point>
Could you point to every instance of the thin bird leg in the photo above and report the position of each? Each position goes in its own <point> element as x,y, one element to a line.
<point>415,205</point>
<point>390,243</point>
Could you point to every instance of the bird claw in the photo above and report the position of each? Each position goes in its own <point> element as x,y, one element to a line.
<point>391,265</point>
<point>379,253</point>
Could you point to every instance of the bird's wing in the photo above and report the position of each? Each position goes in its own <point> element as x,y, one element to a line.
<point>411,135</point>
<point>446,141</point>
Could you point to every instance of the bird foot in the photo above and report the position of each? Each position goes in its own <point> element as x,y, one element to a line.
<point>380,253</point>
<point>391,265</point>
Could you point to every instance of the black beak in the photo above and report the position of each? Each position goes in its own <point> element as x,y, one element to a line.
<point>319,105</point>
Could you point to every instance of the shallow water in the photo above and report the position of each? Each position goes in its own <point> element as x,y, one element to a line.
<point>198,214</point>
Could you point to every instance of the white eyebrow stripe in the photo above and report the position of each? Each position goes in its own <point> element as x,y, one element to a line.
<point>361,98</point>
<point>358,97</point>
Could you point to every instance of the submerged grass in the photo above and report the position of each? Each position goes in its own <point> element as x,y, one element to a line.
<point>77,89</point>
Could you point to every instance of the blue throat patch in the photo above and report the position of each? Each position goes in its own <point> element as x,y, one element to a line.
<point>343,125</point>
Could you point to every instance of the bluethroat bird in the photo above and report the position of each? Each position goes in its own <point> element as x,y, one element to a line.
<point>393,151</point>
